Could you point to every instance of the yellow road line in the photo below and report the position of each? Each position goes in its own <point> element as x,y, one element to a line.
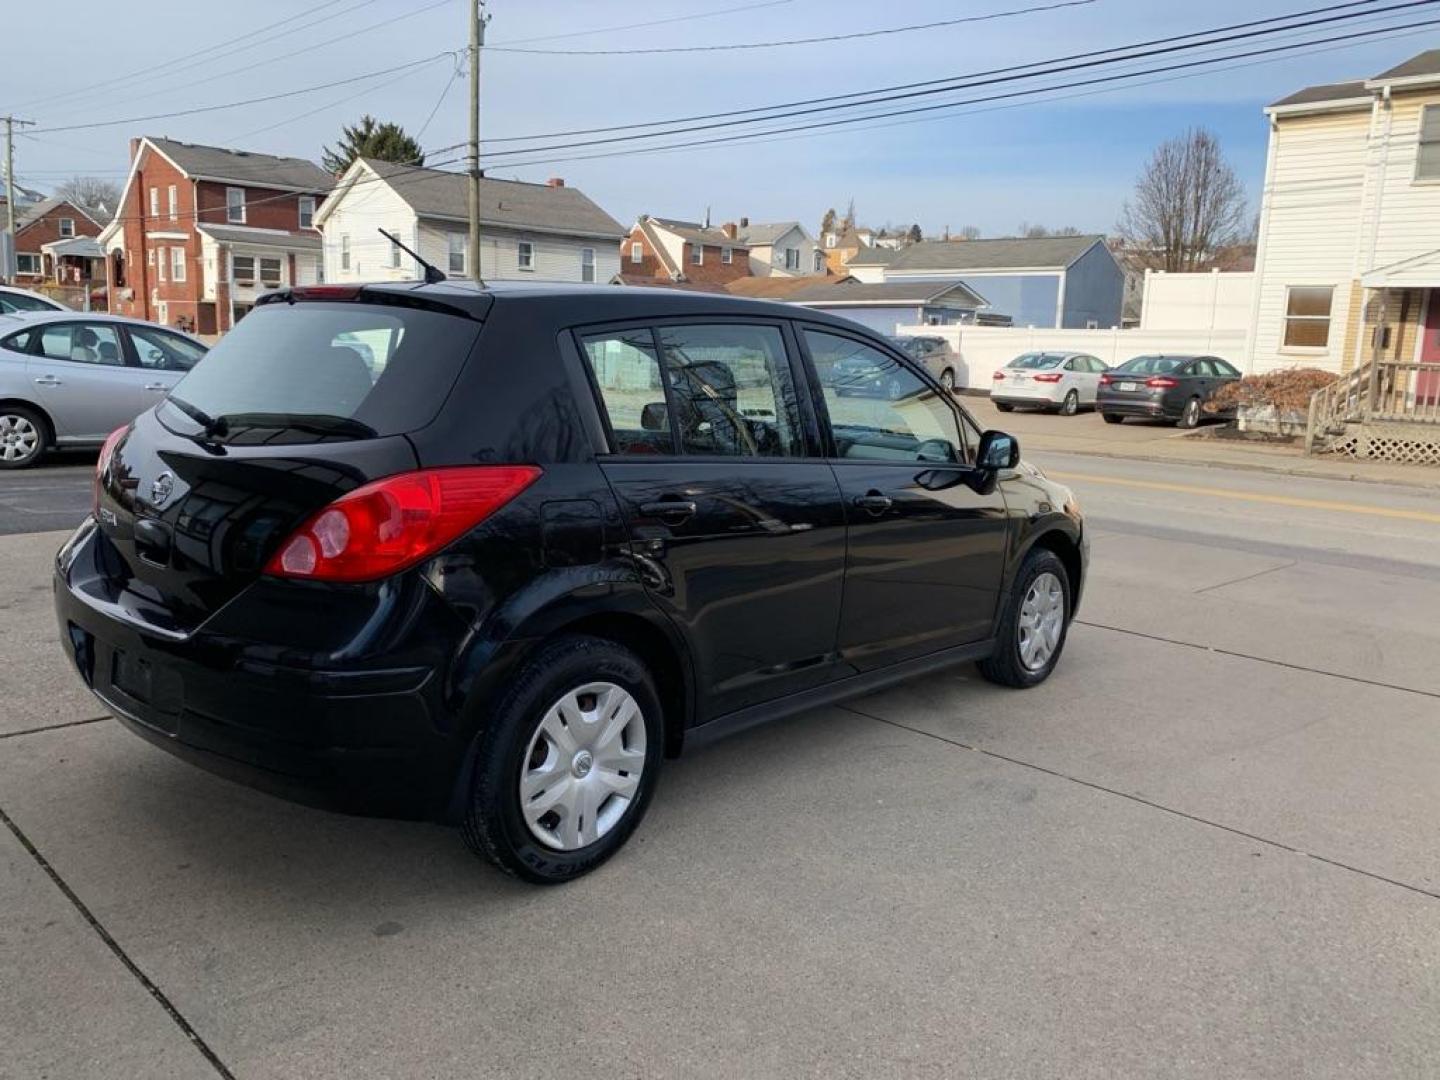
<point>1248,496</point>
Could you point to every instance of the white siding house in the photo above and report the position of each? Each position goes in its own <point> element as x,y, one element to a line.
<point>528,232</point>
<point>781,249</point>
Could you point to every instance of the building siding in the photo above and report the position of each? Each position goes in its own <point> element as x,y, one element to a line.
<point>1094,291</point>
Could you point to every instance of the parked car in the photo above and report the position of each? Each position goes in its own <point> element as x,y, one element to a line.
<point>1164,388</point>
<point>1063,381</point>
<point>68,379</point>
<point>445,585</point>
<point>935,353</point>
<point>15,301</point>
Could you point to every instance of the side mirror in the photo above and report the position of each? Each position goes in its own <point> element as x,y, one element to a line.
<point>997,451</point>
<point>653,416</point>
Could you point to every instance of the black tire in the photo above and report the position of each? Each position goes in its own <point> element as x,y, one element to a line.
<point>18,420</point>
<point>1190,415</point>
<point>1111,418</point>
<point>494,826</point>
<point>947,380</point>
<point>1004,406</point>
<point>1071,405</point>
<point>1005,666</point>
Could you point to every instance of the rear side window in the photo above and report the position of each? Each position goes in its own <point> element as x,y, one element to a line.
<point>20,302</point>
<point>84,343</point>
<point>627,374</point>
<point>312,372</point>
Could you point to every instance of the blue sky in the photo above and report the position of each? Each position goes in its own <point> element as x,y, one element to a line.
<point>1056,162</point>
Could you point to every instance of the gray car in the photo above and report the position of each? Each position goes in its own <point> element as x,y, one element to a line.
<point>70,379</point>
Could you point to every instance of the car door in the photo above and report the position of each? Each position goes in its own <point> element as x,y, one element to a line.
<point>162,355</point>
<point>1087,377</point>
<point>734,518</point>
<point>79,371</point>
<point>926,551</point>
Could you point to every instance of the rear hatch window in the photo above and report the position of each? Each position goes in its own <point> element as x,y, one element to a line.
<point>319,372</point>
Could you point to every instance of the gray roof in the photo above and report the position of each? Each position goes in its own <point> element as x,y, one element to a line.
<point>889,292</point>
<point>1045,253</point>
<point>503,203</point>
<point>875,257</point>
<point>696,233</point>
<point>245,167</point>
<point>240,234</point>
<point>760,235</point>
<point>1314,95</point>
<point>31,212</point>
<point>1427,63</point>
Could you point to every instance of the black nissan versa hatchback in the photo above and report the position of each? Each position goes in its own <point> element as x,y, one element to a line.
<point>487,555</point>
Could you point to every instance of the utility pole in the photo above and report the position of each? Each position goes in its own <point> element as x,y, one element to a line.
<point>8,270</point>
<point>478,19</point>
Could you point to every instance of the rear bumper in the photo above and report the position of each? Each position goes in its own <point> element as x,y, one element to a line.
<point>354,737</point>
<point>1131,406</point>
<point>1010,397</point>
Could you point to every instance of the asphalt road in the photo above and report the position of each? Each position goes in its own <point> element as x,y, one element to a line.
<point>1205,848</point>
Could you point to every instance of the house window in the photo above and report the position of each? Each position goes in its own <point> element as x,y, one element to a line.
<point>697,254</point>
<point>307,211</point>
<point>587,264</point>
<point>727,256</point>
<point>394,255</point>
<point>792,258</point>
<point>235,205</point>
<point>26,263</point>
<point>160,259</point>
<point>459,242</point>
<point>1307,316</point>
<point>270,271</point>
<point>244,269</point>
<point>154,202</point>
<point>637,253</point>
<point>1427,160</point>
<point>177,264</point>
<point>829,239</point>
<point>150,258</point>
<point>819,260</point>
<point>525,255</point>
<point>345,252</point>
<point>67,226</point>
<point>174,202</point>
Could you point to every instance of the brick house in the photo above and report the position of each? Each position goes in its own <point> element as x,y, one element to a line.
<point>663,251</point>
<point>55,245</point>
<point>202,231</point>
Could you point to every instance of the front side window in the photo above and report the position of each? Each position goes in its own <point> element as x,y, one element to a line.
<point>12,302</point>
<point>235,205</point>
<point>1226,370</point>
<point>83,343</point>
<point>458,242</point>
<point>244,269</point>
<point>307,211</point>
<point>159,350</point>
<point>627,375</point>
<point>879,409</point>
<point>1427,159</point>
<point>731,390</point>
<point>525,255</point>
<point>1307,316</point>
<point>587,264</point>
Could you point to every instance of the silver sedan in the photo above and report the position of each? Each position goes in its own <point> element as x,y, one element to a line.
<point>69,379</point>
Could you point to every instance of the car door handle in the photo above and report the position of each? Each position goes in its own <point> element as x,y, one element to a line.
<point>873,502</point>
<point>156,386</point>
<point>47,380</point>
<point>670,511</point>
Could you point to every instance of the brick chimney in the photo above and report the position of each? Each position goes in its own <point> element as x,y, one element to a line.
<point>555,181</point>
<point>729,229</point>
<point>134,147</point>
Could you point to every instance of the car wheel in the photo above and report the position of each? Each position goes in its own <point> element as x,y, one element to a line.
<point>1004,406</point>
<point>23,437</point>
<point>1111,418</point>
<point>947,380</point>
<point>565,766</point>
<point>894,388</point>
<point>1190,415</point>
<point>1071,405</point>
<point>1033,625</point>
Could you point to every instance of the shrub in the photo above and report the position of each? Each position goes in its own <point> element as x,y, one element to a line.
<point>1287,391</point>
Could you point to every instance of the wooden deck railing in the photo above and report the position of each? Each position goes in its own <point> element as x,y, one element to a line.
<point>1392,391</point>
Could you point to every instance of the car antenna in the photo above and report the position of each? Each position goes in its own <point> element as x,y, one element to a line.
<point>432,275</point>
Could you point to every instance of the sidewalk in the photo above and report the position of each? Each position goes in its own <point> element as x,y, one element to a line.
<point>1136,440</point>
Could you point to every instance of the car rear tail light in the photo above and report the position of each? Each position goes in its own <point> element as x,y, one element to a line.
<point>382,528</point>
<point>1054,377</point>
<point>1106,380</point>
<point>1160,382</point>
<point>107,454</point>
<point>998,375</point>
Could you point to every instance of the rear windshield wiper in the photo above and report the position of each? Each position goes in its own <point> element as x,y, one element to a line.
<point>215,426</point>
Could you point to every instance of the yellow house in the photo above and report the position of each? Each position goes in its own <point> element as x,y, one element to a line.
<point>1348,267</point>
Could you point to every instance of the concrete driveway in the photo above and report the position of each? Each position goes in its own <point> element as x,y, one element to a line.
<point>1206,847</point>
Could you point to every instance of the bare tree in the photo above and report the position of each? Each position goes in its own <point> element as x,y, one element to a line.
<point>848,222</point>
<point>1188,205</point>
<point>1039,232</point>
<point>969,232</point>
<point>90,191</point>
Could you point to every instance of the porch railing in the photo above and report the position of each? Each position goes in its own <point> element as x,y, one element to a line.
<point>1392,391</point>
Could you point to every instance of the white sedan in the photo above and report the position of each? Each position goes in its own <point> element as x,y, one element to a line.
<point>1063,381</point>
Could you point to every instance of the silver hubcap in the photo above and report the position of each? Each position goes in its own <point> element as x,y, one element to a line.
<point>19,438</point>
<point>1071,401</point>
<point>582,768</point>
<point>1042,617</point>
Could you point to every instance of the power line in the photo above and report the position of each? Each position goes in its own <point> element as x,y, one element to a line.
<point>348,99</point>
<point>652,22</point>
<point>248,101</point>
<point>1099,80</point>
<point>802,41</point>
<point>934,82</point>
<point>1060,65</point>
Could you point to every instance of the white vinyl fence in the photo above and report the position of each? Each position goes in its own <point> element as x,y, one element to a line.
<point>985,349</point>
